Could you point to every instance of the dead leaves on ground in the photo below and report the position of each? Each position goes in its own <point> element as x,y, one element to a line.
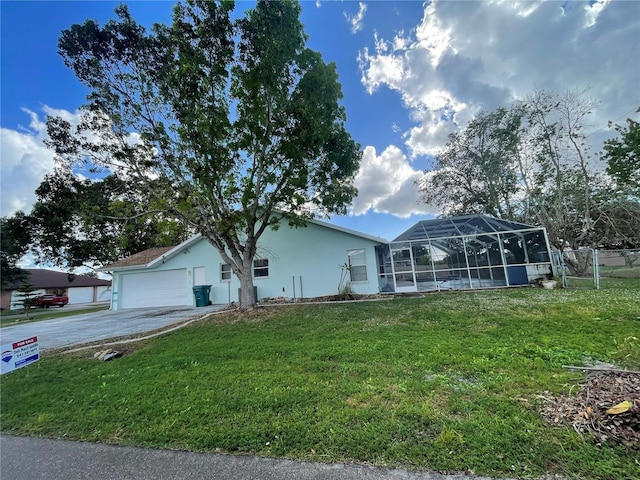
<point>607,405</point>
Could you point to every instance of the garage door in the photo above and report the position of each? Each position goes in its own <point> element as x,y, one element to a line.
<point>80,295</point>
<point>166,288</point>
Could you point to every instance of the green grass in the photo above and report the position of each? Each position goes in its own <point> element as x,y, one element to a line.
<point>13,318</point>
<point>621,272</point>
<point>447,382</point>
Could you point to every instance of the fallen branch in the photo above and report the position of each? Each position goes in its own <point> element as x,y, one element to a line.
<point>600,369</point>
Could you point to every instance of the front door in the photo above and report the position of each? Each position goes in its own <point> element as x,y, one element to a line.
<point>403,274</point>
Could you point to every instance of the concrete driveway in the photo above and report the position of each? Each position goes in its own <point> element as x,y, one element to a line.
<point>94,327</point>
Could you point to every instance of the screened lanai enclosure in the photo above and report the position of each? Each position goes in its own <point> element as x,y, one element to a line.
<point>469,252</point>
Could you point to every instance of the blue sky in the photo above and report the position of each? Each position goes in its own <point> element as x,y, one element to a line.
<point>411,73</point>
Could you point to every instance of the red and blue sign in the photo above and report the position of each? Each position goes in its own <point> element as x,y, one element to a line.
<point>19,354</point>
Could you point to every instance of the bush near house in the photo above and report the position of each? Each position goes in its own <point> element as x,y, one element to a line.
<point>450,382</point>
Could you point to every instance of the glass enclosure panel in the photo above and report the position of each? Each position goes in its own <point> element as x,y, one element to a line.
<point>453,279</point>
<point>440,258</point>
<point>385,282</point>
<point>402,260</point>
<point>404,279</point>
<point>423,277</point>
<point>446,275</point>
<point>476,282</point>
<point>382,257</point>
<point>457,253</point>
<point>494,251</point>
<point>483,250</point>
<point>421,256</point>
<point>487,277</point>
<point>514,251</point>
<point>498,275</point>
<point>536,246</point>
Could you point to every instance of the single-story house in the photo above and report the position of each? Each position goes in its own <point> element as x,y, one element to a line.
<point>474,251</point>
<point>79,288</point>
<point>290,262</point>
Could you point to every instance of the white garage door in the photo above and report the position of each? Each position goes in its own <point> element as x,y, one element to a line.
<point>80,295</point>
<point>166,288</point>
<point>104,294</point>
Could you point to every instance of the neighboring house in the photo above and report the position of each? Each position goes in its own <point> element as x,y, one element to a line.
<point>467,252</point>
<point>79,288</point>
<point>290,262</point>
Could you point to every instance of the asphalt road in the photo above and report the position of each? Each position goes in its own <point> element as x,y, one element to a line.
<point>102,325</point>
<point>37,458</point>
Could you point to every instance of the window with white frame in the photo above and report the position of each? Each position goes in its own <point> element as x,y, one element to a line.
<point>357,265</point>
<point>261,268</point>
<point>225,272</point>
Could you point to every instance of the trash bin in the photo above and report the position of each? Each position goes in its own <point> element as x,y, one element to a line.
<point>201,294</point>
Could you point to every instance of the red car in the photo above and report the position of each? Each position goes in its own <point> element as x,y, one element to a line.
<point>46,301</point>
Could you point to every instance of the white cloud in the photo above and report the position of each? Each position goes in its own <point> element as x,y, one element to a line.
<point>356,21</point>
<point>26,159</point>
<point>593,11</point>
<point>386,184</point>
<point>25,162</point>
<point>464,57</point>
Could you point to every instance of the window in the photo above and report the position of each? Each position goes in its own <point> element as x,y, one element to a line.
<point>357,265</point>
<point>261,267</point>
<point>225,272</point>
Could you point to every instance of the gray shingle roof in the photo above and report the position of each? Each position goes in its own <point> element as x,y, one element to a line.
<point>139,259</point>
<point>42,278</point>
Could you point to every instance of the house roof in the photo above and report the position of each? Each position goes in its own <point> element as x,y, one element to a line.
<point>140,259</point>
<point>349,231</point>
<point>42,278</point>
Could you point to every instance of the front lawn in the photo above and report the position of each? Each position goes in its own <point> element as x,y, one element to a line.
<point>449,382</point>
<point>14,317</point>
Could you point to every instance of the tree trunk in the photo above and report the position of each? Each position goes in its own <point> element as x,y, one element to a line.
<point>247,300</point>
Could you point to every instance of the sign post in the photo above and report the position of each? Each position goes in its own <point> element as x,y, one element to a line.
<point>19,354</point>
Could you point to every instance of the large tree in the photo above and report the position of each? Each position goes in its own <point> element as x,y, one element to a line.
<point>563,174</point>
<point>531,163</point>
<point>14,237</point>
<point>77,222</point>
<point>623,155</point>
<point>232,127</point>
<point>476,172</point>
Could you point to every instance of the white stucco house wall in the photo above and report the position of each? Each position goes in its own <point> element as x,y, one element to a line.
<point>291,262</point>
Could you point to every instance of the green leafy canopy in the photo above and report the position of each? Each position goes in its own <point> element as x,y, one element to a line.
<point>623,155</point>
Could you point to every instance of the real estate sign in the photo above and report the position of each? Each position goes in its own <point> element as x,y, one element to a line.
<point>19,354</point>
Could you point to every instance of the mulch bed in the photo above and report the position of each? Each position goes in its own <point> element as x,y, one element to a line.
<point>586,409</point>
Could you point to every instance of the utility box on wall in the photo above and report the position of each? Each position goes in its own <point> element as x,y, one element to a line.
<point>255,293</point>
